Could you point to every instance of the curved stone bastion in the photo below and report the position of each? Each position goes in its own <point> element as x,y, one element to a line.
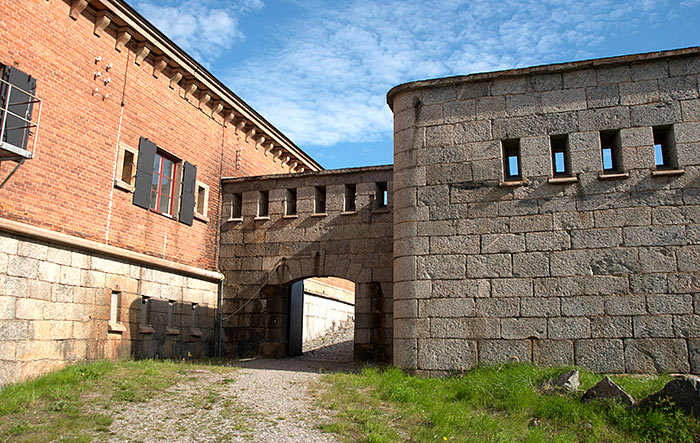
<point>550,215</point>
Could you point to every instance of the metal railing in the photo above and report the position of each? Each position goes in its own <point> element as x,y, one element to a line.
<point>25,123</point>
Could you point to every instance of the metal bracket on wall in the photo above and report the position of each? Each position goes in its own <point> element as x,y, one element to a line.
<point>12,172</point>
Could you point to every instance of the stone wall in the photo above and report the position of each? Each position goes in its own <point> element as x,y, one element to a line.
<point>55,309</point>
<point>594,269</point>
<point>324,315</point>
<point>261,254</point>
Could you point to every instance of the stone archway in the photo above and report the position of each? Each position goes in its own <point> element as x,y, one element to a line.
<point>261,255</point>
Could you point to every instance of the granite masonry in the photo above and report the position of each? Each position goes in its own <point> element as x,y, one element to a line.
<point>284,228</point>
<point>550,215</point>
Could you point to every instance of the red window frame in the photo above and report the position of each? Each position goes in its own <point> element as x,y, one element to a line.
<point>157,184</point>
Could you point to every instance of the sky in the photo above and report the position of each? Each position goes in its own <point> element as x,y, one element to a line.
<point>320,70</point>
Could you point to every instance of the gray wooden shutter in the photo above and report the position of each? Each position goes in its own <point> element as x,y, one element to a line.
<point>144,173</point>
<point>189,178</point>
<point>17,130</point>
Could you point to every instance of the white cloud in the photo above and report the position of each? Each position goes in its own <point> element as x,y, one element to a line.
<point>203,28</point>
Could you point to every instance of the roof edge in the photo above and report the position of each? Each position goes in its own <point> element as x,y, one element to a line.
<point>358,170</point>
<point>539,69</point>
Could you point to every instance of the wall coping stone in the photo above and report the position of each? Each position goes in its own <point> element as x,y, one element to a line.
<point>541,69</point>
<point>25,230</point>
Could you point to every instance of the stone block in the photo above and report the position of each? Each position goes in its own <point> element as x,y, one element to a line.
<point>504,351</point>
<point>26,267</point>
<point>49,272</point>
<point>686,326</point>
<point>502,243</point>
<point>460,111</point>
<point>405,308</point>
<point>600,355</point>
<point>517,328</point>
<point>531,264</point>
<point>531,223</point>
<point>553,352</point>
<point>602,96</point>
<point>660,259</point>
<point>476,288</point>
<point>655,114</point>
<point>497,307</point>
<point>446,354</point>
<point>432,96</point>
<point>670,304</point>
<point>566,328</point>
<point>430,115</point>
<point>605,285</point>
<point>639,93</point>
<point>648,326</point>
<point>611,327</point>
<point>625,304</point>
<point>617,261</point>
<point>648,283</point>
<point>7,308</point>
<point>472,89</point>
<point>582,306</point>
<point>654,236</point>
<point>688,258</point>
<point>519,127</point>
<point>492,265</point>
<point>445,267</point>
<point>596,238</point>
<point>579,78</point>
<point>603,119</point>
<point>572,220</point>
<point>456,244</point>
<point>508,85</point>
<point>518,105</point>
<point>656,355</point>
<point>564,100</point>
<point>447,307</point>
<point>511,287</point>
<point>540,307</point>
<point>568,263</point>
<point>490,107</point>
<point>465,328</point>
<point>30,309</point>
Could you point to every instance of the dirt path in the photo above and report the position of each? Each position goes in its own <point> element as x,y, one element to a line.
<point>264,400</point>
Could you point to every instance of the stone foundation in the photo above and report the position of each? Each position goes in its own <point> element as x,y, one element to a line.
<point>55,309</point>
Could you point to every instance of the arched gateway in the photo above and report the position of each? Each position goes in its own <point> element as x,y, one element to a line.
<point>282,229</point>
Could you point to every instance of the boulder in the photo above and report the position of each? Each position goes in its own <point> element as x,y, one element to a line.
<point>569,381</point>
<point>682,392</point>
<point>607,388</point>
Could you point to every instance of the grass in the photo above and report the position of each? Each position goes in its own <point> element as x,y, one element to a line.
<point>73,404</point>
<point>496,403</point>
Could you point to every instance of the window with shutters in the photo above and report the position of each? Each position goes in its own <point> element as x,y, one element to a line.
<point>165,184</point>
<point>162,189</point>
<point>19,114</point>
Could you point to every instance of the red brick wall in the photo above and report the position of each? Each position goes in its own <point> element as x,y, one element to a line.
<point>67,186</point>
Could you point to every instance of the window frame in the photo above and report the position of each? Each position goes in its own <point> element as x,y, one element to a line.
<point>664,137</point>
<point>350,200</point>
<point>320,201</point>
<point>174,188</point>
<point>559,143</point>
<point>121,163</point>
<point>290,202</point>
<point>202,216</point>
<point>511,148</point>
<point>611,140</point>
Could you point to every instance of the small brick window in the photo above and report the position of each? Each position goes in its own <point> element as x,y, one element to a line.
<point>263,203</point>
<point>511,160</point>
<point>201,201</point>
<point>236,206</point>
<point>611,152</point>
<point>320,200</point>
<point>126,168</point>
<point>561,163</point>
<point>290,202</point>
<point>381,195</point>
<point>350,197</point>
<point>665,156</point>
<point>163,186</point>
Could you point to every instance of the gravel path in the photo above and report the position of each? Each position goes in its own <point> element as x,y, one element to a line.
<point>264,400</point>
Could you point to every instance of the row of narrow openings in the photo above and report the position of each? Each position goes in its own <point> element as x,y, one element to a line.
<point>665,156</point>
<point>381,200</point>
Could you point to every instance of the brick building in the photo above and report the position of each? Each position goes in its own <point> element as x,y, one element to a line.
<point>103,254</point>
<point>547,214</point>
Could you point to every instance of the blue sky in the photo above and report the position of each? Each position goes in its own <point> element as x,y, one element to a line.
<point>319,70</point>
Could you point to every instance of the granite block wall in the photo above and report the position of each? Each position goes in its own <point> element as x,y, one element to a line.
<point>56,308</point>
<point>264,248</point>
<point>598,268</point>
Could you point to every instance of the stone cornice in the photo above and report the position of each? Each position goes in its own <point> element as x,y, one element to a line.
<point>152,46</point>
<point>541,69</point>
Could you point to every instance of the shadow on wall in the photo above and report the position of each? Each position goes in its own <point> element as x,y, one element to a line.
<point>160,328</point>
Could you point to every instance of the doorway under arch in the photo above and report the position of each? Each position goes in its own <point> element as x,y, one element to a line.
<point>321,319</point>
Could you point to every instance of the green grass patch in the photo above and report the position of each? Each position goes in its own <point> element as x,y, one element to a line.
<point>494,403</point>
<point>73,404</point>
